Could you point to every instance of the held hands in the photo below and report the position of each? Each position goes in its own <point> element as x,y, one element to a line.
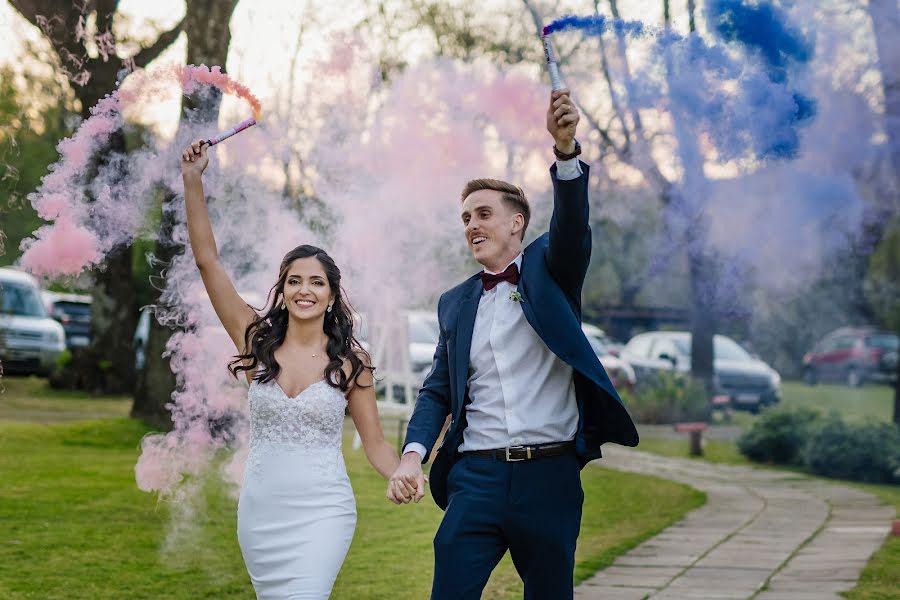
<point>194,159</point>
<point>562,119</point>
<point>408,481</point>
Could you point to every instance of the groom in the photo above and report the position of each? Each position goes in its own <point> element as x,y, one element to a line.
<point>529,402</point>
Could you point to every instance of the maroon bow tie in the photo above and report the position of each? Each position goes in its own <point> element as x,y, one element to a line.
<point>511,274</point>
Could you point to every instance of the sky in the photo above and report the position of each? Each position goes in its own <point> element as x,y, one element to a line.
<point>263,67</point>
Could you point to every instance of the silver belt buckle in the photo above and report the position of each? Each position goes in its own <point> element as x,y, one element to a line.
<point>527,450</point>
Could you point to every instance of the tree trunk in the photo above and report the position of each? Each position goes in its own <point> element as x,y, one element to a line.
<point>107,364</point>
<point>209,36</point>
<point>703,321</point>
<point>885,18</point>
<point>897,394</point>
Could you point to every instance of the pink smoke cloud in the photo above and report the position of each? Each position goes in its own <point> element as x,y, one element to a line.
<point>113,211</point>
<point>63,249</point>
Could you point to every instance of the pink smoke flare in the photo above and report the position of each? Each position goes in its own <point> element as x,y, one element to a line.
<point>79,223</point>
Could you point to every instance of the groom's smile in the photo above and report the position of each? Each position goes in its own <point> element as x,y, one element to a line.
<point>491,229</point>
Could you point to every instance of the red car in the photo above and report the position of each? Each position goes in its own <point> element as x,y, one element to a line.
<point>853,355</point>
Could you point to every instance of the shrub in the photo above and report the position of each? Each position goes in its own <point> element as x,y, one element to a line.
<point>778,436</point>
<point>668,397</point>
<point>860,451</point>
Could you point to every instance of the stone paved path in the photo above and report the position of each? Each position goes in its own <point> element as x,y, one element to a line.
<point>762,535</point>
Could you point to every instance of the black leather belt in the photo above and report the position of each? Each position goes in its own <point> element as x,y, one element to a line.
<point>519,453</point>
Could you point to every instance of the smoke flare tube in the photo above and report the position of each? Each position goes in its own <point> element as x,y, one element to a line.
<point>552,66</point>
<point>224,135</point>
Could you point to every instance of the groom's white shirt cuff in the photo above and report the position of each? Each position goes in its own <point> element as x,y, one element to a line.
<point>417,448</point>
<point>566,170</point>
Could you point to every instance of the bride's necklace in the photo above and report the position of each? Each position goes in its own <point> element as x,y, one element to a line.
<point>306,352</point>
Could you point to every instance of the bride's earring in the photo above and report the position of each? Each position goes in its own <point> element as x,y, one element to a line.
<point>283,305</point>
<point>329,308</point>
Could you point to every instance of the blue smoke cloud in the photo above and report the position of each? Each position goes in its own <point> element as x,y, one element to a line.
<point>743,101</point>
<point>763,28</point>
<point>595,25</point>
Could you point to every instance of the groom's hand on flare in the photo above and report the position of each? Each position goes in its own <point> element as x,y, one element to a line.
<point>562,120</point>
<point>408,481</point>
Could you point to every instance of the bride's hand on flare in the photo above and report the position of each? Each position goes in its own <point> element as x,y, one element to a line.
<point>194,158</point>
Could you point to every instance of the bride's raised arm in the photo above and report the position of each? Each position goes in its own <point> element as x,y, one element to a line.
<point>231,309</point>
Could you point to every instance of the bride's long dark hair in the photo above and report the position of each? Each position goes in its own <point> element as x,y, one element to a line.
<point>267,331</point>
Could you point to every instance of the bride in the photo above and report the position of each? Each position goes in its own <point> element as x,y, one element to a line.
<point>296,513</point>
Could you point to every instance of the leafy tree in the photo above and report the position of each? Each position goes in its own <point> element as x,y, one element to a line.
<point>93,59</point>
<point>883,290</point>
<point>35,113</point>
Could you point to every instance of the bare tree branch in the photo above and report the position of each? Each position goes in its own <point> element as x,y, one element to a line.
<point>614,97</point>
<point>106,13</point>
<point>146,55</point>
<point>592,121</point>
<point>692,8</point>
<point>56,19</point>
<point>289,188</point>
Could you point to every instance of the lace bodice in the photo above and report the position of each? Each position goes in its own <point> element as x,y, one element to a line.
<point>312,420</point>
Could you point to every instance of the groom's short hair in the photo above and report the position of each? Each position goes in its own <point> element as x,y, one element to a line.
<point>512,195</point>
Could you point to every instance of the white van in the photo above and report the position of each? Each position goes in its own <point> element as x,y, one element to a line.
<point>30,341</point>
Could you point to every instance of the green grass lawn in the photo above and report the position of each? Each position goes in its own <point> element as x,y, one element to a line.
<point>31,400</point>
<point>853,404</point>
<point>870,401</point>
<point>74,525</point>
<point>719,451</point>
<point>881,578</point>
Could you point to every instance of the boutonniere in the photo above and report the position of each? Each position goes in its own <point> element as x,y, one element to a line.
<point>515,296</point>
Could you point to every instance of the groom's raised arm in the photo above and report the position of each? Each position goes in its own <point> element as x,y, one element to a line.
<point>569,252</point>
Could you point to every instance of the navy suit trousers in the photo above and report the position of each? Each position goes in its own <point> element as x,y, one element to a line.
<point>531,508</point>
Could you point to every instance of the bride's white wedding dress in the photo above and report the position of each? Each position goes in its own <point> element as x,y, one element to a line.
<point>296,513</point>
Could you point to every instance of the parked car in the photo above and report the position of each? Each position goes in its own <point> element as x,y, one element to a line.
<point>402,346</point>
<point>749,382</point>
<point>141,337</point>
<point>30,341</point>
<point>423,332</point>
<point>853,355</point>
<point>610,346</point>
<point>73,312</point>
<point>607,350</point>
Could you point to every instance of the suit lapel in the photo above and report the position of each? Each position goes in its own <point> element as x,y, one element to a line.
<point>465,325</point>
<point>527,306</point>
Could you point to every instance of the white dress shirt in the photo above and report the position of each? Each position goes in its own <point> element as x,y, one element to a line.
<point>521,393</point>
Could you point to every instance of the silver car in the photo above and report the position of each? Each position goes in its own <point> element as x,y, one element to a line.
<point>30,341</point>
<point>747,382</point>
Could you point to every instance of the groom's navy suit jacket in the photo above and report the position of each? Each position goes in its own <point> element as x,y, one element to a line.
<point>550,282</point>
